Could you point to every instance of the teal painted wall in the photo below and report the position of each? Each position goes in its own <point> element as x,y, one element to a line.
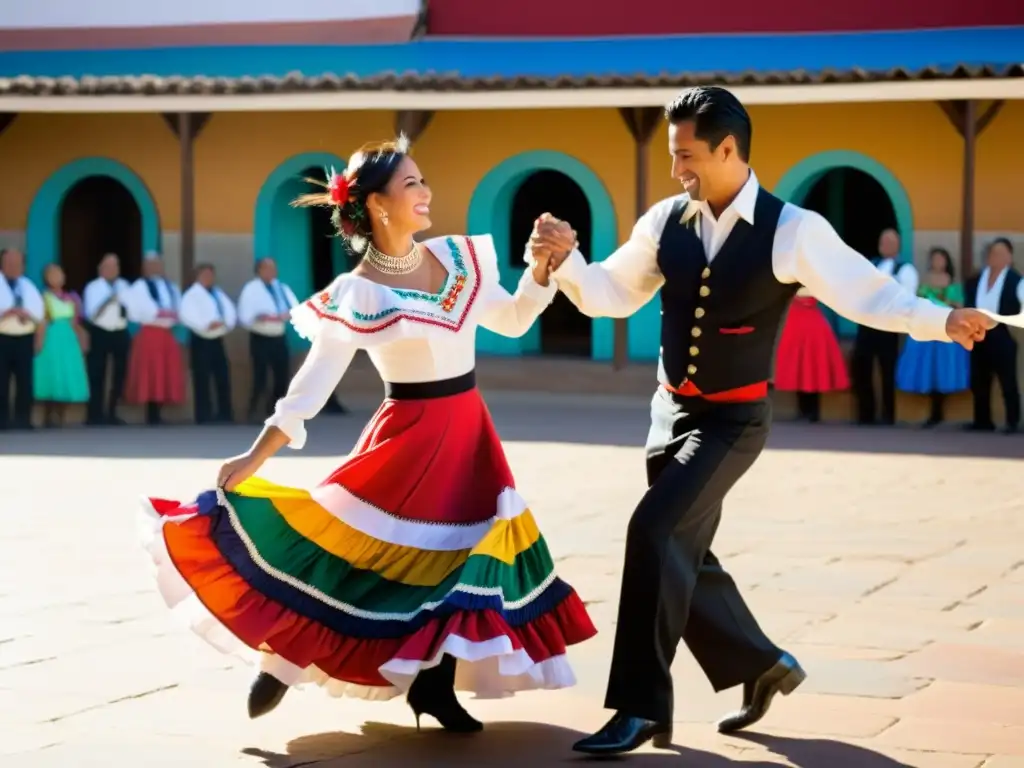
<point>490,211</point>
<point>797,182</point>
<point>42,232</point>
<point>283,232</point>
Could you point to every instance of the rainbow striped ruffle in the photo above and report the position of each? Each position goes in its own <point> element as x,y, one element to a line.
<point>324,587</point>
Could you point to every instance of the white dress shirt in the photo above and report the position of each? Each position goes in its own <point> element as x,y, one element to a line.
<point>199,309</point>
<point>988,298</point>
<point>908,276</point>
<point>807,250</point>
<point>264,308</point>
<point>26,296</point>
<point>144,310</point>
<point>107,317</point>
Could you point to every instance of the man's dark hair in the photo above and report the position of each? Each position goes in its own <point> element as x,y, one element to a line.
<point>1002,241</point>
<point>715,113</point>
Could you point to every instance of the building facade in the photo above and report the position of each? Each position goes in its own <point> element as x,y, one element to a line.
<point>196,151</point>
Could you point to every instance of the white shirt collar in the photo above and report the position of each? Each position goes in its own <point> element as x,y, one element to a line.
<point>742,205</point>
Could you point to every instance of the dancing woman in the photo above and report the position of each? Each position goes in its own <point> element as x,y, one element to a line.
<point>415,565</point>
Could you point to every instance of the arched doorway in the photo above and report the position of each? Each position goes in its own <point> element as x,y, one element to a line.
<point>859,197</point>
<point>492,211</point>
<point>89,207</point>
<point>564,330</point>
<point>300,240</point>
<point>99,216</point>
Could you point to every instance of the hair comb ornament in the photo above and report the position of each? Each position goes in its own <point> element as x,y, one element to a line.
<point>402,144</point>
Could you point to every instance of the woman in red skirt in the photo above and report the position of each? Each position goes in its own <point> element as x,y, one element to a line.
<point>415,567</point>
<point>808,360</point>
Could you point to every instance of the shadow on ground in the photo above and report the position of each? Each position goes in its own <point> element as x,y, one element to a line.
<point>612,424</point>
<point>515,744</point>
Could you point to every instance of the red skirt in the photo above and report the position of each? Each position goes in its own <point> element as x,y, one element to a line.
<point>156,371</point>
<point>809,358</point>
<point>418,545</point>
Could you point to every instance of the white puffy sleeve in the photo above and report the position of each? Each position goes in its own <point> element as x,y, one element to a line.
<point>312,386</point>
<point>323,319</point>
<point>510,314</point>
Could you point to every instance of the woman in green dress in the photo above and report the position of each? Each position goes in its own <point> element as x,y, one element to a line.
<point>59,376</point>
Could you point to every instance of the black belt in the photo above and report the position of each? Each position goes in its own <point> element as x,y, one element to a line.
<point>428,390</point>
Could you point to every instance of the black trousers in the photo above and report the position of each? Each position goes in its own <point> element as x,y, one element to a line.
<point>268,354</point>
<point>673,587</point>
<point>809,405</point>
<point>995,357</point>
<point>871,345</point>
<point>16,359</point>
<point>105,347</point>
<point>210,367</point>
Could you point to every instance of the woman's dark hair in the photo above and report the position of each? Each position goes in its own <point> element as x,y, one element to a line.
<point>945,257</point>
<point>46,272</point>
<point>369,170</point>
<point>716,113</point>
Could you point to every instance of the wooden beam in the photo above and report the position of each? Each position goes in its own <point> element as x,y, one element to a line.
<point>6,118</point>
<point>641,122</point>
<point>412,122</point>
<point>987,117</point>
<point>964,117</point>
<point>967,193</point>
<point>187,126</point>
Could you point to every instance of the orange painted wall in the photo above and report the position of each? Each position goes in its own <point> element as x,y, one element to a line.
<point>236,151</point>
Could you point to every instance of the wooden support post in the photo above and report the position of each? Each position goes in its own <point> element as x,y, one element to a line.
<point>186,126</point>
<point>963,116</point>
<point>6,118</point>
<point>412,122</point>
<point>641,123</point>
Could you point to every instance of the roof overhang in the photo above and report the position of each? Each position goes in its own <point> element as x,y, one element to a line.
<point>504,98</point>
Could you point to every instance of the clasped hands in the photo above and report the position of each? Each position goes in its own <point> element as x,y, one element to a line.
<point>550,244</point>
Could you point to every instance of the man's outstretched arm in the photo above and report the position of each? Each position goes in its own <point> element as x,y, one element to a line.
<point>615,287</point>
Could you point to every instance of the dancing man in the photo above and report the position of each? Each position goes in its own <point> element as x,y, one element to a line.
<point>728,257</point>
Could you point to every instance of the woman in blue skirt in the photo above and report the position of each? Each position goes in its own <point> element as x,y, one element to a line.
<point>935,368</point>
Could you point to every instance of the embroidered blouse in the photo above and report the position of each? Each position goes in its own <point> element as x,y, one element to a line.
<point>410,336</point>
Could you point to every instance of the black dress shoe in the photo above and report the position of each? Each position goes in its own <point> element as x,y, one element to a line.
<point>265,694</point>
<point>782,678</point>
<point>624,733</point>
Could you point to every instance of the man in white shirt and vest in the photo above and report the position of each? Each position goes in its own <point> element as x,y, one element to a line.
<point>21,313</point>
<point>874,344</point>
<point>209,314</point>
<point>104,304</point>
<point>727,257</point>
<point>1000,289</point>
<point>156,369</point>
<point>264,307</point>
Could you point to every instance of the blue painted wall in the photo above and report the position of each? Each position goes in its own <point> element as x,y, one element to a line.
<point>875,51</point>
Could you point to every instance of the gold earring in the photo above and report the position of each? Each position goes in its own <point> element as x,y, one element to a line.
<point>383,217</point>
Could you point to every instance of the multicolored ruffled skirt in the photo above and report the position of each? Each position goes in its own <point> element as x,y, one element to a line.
<point>417,546</point>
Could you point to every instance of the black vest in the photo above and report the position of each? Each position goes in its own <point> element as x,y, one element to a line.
<point>720,322</point>
<point>1008,303</point>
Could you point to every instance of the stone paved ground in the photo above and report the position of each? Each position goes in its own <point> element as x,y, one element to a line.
<point>890,562</point>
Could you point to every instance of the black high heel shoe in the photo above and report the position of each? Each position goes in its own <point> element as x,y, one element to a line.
<point>433,693</point>
<point>265,694</point>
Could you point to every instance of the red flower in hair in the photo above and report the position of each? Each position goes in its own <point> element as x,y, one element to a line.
<point>338,188</point>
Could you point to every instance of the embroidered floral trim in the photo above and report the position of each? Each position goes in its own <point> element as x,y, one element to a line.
<point>327,308</point>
